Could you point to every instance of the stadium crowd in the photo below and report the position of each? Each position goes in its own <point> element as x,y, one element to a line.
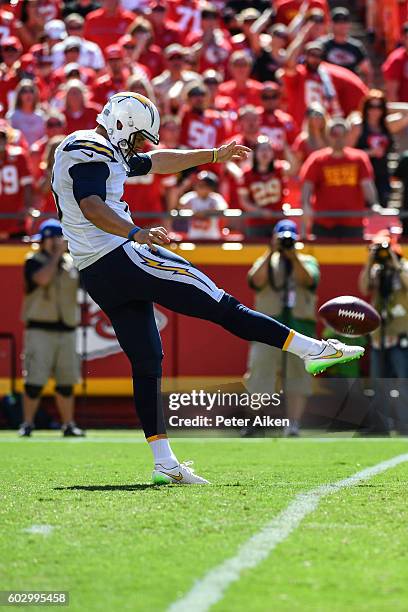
<point>273,75</point>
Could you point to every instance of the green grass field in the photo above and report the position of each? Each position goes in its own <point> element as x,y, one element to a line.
<point>118,543</point>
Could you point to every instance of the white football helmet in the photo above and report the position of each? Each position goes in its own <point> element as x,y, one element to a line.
<point>126,114</point>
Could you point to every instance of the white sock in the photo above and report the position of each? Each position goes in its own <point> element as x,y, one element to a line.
<point>162,452</point>
<point>301,345</point>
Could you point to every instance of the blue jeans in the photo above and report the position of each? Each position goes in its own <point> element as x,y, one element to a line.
<point>390,375</point>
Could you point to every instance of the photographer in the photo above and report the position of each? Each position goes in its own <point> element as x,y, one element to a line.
<point>285,282</point>
<point>385,277</point>
<point>50,315</point>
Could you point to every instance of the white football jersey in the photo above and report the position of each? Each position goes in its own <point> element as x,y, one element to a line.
<point>85,159</point>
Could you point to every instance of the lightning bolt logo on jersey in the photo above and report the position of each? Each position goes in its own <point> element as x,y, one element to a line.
<point>86,163</point>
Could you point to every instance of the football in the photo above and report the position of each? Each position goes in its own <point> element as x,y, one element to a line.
<point>350,316</point>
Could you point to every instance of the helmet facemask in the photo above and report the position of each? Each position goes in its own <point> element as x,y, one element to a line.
<point>131,146</point>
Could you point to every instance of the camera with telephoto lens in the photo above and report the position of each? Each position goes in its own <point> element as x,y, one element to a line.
<point>286,241</point>
<point>382,252</point>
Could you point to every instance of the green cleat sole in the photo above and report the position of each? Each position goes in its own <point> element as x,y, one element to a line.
<point>318,367</point>
<point>160,480</point>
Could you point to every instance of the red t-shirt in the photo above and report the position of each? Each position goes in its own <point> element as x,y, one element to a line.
<point>85,120</point>
<point>395,68</point>
<point>86,75</point>
<point>202,130</point>
<point>286,10</point>
<point>266,191</point>
<point>106,86</point>
<point>14,176</point>
<point>151,61</point>
<point>168,35</point>
<point>250,94</point>
<point>279,127</point>
<point>214,56</point>
<point>304,87</point>
<point>336,183</point>
<point>105,29</point>
<point>186,14</point>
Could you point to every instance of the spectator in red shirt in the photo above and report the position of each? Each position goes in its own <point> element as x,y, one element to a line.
<point>336,88</point>
<point>55,125</point>
<point>115,78</point>
<point>73,71</point>
<point>10,50</point>
<point>395,71</point>
<point>212,79</point>
<point>79,114</point>
<point>186,14</point>
<point>165,31</point>
<point>210,44</point>
<point>314,134</point>
<point>201,127</point>
<point>15,187</point>
<point>107,24</point>
<point>241,88</point>
<point>145,52</point>
<point>338,178</point>
<point>263,189</point>
<point>29,26</point>
<point>278,126</point>
<point>247,133</point>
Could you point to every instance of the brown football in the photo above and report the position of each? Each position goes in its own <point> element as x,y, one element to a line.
<point>350,316</point>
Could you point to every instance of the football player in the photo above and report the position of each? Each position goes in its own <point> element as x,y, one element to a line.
<point>125,268</point>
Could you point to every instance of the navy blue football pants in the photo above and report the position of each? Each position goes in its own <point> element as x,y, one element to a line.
<point>127,281</point>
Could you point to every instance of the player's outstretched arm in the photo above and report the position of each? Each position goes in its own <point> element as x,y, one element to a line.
<point>172,161</point>
<point>97,212</point>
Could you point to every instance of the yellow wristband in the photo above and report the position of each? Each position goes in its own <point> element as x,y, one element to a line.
<point>215,156</point>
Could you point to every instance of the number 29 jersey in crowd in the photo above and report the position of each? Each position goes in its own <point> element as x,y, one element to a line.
<point>86,164</point>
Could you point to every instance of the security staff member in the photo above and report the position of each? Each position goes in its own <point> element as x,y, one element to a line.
<point>50,314</point>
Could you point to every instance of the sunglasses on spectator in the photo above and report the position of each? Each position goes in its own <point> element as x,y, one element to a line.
<point>27,90</point>
<point>129,47</point>
<point>9,49</point>
<point>210,82</point>
<point>75,26</point>
<point>175,57</point>
<point>317,19</point>
<point>374,105</point>
<point>54,124</point>
<point>274,96</point>
<point>280,35</point>
<point>317,54</point>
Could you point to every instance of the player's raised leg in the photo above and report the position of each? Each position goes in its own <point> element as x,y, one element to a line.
<point>176,284</point>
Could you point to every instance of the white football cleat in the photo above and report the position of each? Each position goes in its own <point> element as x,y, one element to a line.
<point>181,474</point>
<point>334,352</point>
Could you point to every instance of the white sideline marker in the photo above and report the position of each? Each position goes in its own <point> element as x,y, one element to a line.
<point>210,589</point>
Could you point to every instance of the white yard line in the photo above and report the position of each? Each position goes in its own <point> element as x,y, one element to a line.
<point>210,589</point>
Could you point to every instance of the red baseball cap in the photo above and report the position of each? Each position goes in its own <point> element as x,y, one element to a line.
<point>114,52</point>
